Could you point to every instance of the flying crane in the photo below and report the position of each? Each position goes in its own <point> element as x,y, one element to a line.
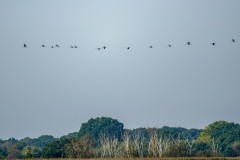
<point>213,43</point>
<point>169,45</point>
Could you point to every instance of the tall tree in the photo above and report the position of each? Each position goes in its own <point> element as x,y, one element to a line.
<point>56,149</point>
<point>221,136</point>
<point>103,125</point>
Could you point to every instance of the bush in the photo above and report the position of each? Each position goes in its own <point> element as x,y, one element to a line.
<point>177,150</point>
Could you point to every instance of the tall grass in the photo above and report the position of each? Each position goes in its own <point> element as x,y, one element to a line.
<point>172,158</point>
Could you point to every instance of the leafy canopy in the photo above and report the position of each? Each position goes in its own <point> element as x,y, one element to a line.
<point>103,125</point>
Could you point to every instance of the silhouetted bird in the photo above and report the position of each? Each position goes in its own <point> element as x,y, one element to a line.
<point>52,47</point>
<point>75,46</point>
<point>24,46</point>
<point>57,45</point>
<point>42,46</point>
<point>150,47</point>
<point>169,45</point>
<point>188,43</point>
<point>233,40</point>
<point>213,43</point>
<point>128,47</point>
<point>71,47</point>
<point>98,48</point>
<point>104,47</point>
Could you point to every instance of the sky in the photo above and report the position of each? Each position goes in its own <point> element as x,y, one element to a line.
<point>52,91</point>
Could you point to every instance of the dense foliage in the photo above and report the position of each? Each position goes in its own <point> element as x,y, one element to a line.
<point>225,136</point>
<point>104,125</point>
<point>71,135</point>
<point>24,148</point>
<point>42,140</point>
<point>56,149</point>
<point>105,138</point>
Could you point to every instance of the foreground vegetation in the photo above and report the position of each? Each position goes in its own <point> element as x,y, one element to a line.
<point>171,158</point>
<point>106,138</point>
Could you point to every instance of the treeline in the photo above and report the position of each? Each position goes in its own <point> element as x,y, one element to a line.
<point>106,138</point>
<point>27,147</point>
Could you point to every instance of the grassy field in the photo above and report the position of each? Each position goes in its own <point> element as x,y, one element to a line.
<point>190,158</point>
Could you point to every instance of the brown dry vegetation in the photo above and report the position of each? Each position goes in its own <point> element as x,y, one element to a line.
<point>192,158</point>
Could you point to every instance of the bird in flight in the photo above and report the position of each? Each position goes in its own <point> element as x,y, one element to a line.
<point>213,43</point>
<point>71,47</point>
<point>42,46</point>
<point>150,47</point>
<point>188,43</point>
<point>52,47</point>
<point>57,45</point>
<point>104,47</point>
<point>233,40</point>
<point>169,45</point>
<point>24,46</point>
<point>128,47</point>
<point>98,48</point>
<point>75,47</point>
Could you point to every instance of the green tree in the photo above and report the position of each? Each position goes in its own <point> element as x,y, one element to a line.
<point>71,135</point>
<point>31,152</point>
<point>15,150</point>
<point>3,152</point>
<point>28,152</point>
<point>202,149</point>
<point>177,150</point>
<point>103,125</point>
<point>42,141</point>
<point>222,133</point>
<point>56,149</point>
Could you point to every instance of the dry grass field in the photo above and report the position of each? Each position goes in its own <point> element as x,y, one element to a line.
<point>177,158</point>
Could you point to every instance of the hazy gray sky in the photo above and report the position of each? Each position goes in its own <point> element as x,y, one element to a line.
<point>52,91</point>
